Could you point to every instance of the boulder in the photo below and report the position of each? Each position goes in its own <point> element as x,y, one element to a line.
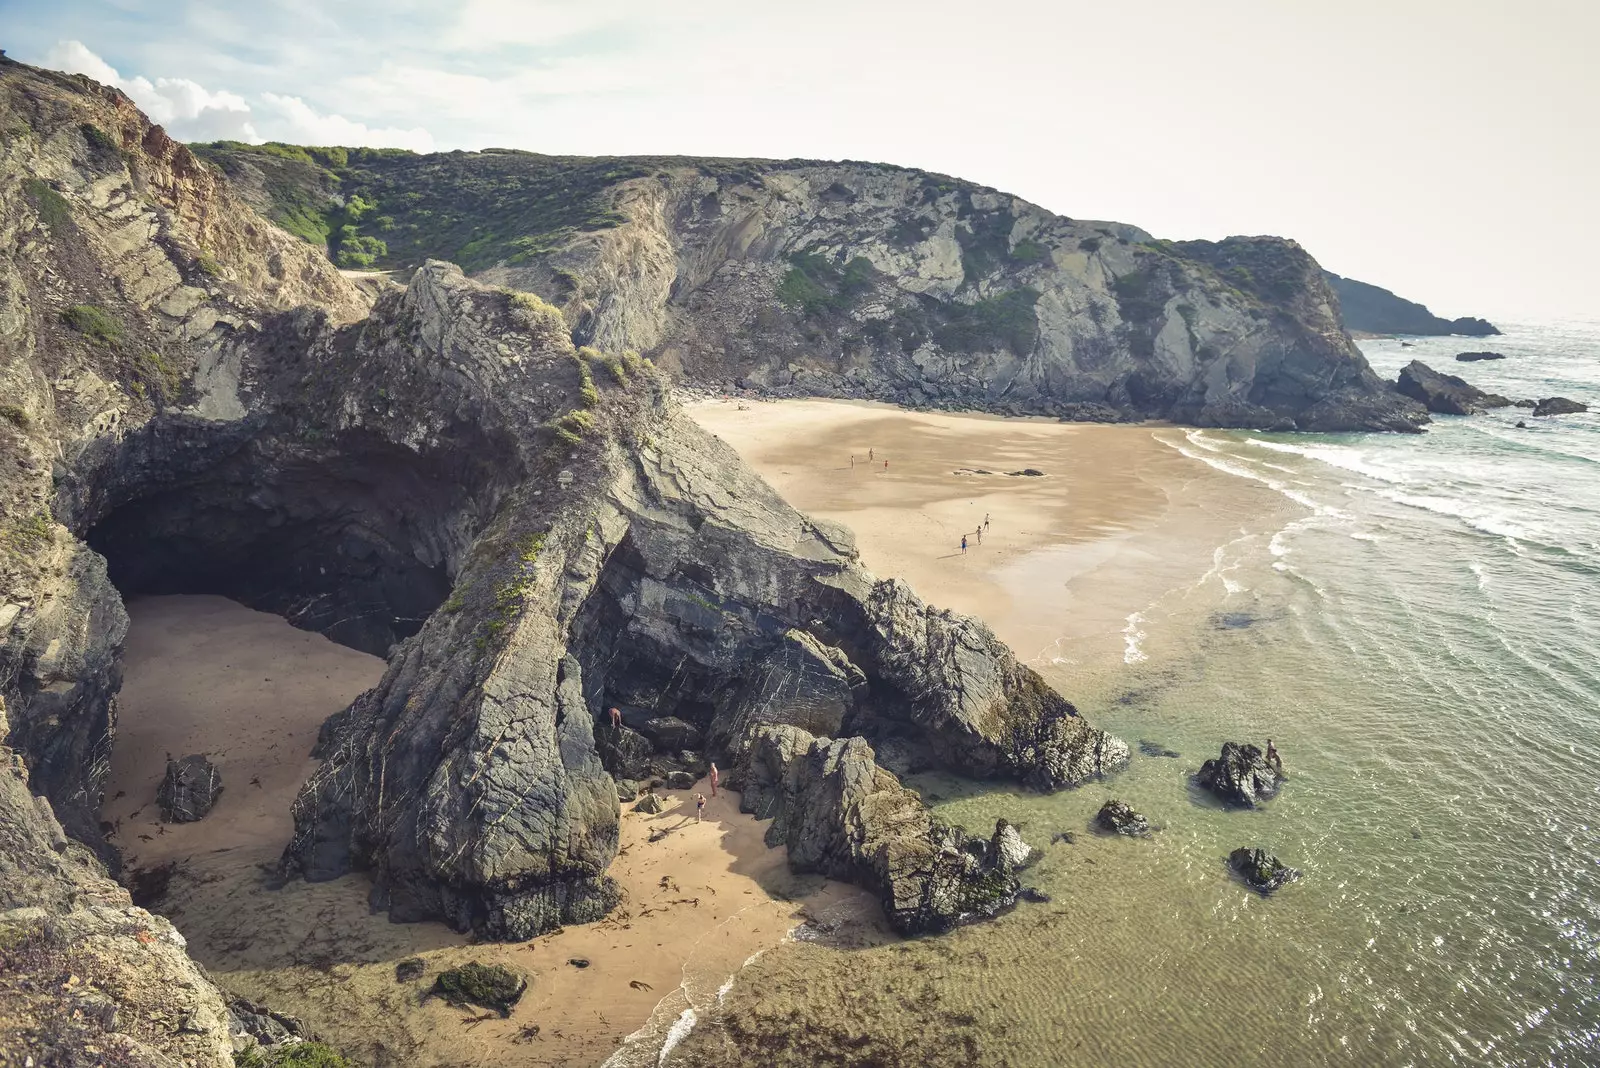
<point>190,789</point>
<point>624,752</point>
<point>1260,870</point>
<point>1007,851</point>
<point>680,780</point>
<point>409,970</point>
<point>1118,817</point>
<point>671,734</point>
<point>1559,406</point>
<point>1475,357</point>
<point>627,790</point>
<point>1241,775</point>
<point>840,814</point>
<point>491,986</point>
<point>1445,394</point>
<point>650,804</point>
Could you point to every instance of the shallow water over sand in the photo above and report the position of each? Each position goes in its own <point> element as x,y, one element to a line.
<point>1413,621</point>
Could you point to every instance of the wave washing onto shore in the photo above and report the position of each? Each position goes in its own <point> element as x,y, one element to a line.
<point>1418,638</point>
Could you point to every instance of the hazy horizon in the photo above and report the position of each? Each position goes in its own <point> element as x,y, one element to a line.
<point>1446,154</point>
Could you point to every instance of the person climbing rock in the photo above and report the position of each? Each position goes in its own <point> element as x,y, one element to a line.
<point>616,719</point>
<point>1275,760</point>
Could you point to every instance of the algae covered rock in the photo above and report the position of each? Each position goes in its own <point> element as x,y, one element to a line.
<point>1260,870</point>
<point>1118,817</point>
<point>1241,775</point>
<point>489,986</point>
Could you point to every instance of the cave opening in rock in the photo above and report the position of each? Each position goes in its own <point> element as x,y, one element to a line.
<point>356,538</point>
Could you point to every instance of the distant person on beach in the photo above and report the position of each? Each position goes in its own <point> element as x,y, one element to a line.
<point>699,806</point>
<point>986,521</point>
<point>963,543</point>
<point>979,533</point>
<point>716,777</point>
<point>852,459</point>
<point>886,465</point>
<point>869,456</point>
<point>616,719</point>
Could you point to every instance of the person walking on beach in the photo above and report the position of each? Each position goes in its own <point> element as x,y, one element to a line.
<point>963,543</point>
<point>699,806</point>
<point>716,777</point>
<point>986,521</point>
<point>616,719</point>
<point>869,456</point>
<point>979,533</point>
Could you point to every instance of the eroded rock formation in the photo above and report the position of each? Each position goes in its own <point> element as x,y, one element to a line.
<point>1446,394</point>
<point>1241,775</point>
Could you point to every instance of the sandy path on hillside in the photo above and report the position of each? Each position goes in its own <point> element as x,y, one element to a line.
<point>206,675</point>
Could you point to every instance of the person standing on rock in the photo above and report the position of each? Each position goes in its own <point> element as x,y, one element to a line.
<point>716,777</point>
<point>1275,760</point>
<point>616,719</point>
<point>699,806</point>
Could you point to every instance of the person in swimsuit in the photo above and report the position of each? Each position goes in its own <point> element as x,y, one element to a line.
<point>699,806</point>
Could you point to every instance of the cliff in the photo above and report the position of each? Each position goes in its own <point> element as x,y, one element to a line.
<point>196,400</point>
<point>1367,309</point>
<point>855,280</point>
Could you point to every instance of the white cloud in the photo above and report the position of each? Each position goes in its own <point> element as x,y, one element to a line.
<point>190,112</point>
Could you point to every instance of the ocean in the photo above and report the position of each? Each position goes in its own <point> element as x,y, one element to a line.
<point>1419,639</point>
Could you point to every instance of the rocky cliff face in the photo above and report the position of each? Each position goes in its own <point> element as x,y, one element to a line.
<point>1370,309</point>
<point>865,280</point>
<point>195,400</point>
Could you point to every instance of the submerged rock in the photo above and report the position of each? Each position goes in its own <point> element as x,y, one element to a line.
<point>491,986</point>
<point>1475,357</point>
<point>1241,775</point>
<point>1118,817</point>
<point>189,790</point>
<point>1260,870</point>
<point>1156,749</point>
<point>1559,406</point>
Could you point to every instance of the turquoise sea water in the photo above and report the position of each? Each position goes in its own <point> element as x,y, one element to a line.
<point>1419,637</point>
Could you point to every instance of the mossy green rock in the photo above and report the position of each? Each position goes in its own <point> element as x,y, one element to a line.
<point>491,986</point>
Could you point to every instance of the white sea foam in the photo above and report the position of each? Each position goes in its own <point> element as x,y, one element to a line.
<point>1341,456</point>
<point>677,1033</point>
<point>1132,638</point>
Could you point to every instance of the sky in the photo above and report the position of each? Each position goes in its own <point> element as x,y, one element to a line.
<point>1446,150</point>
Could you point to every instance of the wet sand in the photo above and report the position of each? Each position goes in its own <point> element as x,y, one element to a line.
<point>206,675</point>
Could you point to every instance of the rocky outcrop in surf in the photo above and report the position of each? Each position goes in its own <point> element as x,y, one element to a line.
<point>1446,394</point>
<point>1241,775</point>
<point>1559,406</point>
<point>1260,870</point>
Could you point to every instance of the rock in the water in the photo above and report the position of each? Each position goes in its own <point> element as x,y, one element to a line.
<point>1064,837</point>
<point>1475,357</point>
<point>1007,851</point>
<point>1261,870</point>
<point>1559,406</point>
<point>190,789</point>
<point>1241,775</point>
<point>1445,394</point>
<point>671,734</point>
<point>1118,817</point>
<point>1156,749</point>
<point>650,804</point>
<point>409,970</point>
<point>1034,894</point>
<point>487,986</point>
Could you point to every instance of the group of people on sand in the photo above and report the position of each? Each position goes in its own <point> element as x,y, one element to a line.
<point>978,534</point>
<point>872,459</point>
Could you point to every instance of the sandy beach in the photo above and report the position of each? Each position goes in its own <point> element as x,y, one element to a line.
<point>206,675</point>
<point>1118,519</point>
